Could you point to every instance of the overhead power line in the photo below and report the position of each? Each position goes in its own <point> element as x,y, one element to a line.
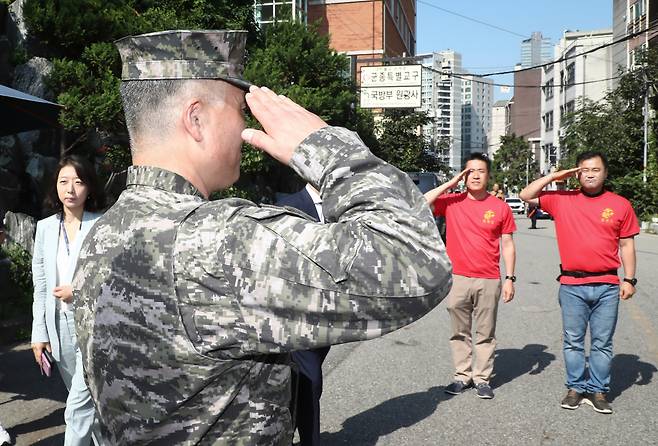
<point>490,25</point>
<point>529,86</point>
<point>562,59</point>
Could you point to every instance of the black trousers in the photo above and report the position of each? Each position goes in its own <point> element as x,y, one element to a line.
<point>309,390</point>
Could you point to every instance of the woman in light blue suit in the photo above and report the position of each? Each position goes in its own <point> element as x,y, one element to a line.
<point>75,197</point>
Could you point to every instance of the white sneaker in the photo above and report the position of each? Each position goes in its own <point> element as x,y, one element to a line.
<point>4,437</point>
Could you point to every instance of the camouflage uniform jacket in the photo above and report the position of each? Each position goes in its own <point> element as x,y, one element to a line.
<point>186,309</point>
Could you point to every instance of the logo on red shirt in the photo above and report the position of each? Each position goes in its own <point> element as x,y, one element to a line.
<point>489,217</point>
<point>606,215</point>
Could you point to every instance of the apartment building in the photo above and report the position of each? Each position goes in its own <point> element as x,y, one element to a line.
<point>632,16</point>
<point>441,99</point>
<point>477,102</point>
<point>567,83</point>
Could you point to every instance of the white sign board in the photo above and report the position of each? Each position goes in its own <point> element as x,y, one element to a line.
<point>390,97</point>
<point>391,76</point>
<point>391,86</point>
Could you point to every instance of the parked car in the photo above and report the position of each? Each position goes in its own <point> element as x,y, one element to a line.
<point>516,204</point>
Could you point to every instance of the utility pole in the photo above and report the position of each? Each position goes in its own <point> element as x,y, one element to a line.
<point>646,123</point>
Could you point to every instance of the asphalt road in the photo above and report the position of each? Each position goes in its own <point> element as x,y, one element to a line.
<point>389,391</point>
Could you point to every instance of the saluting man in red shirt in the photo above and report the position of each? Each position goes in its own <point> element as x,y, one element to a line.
<point>592,226</point>
<point>475,224</point>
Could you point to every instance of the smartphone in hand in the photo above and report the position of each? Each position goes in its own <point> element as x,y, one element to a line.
<point>47,362</point>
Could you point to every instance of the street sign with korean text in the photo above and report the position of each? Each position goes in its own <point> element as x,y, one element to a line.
<point>390,97</point>
<point>391,86</point>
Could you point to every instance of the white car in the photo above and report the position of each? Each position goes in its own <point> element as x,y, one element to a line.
<point>516,204</point>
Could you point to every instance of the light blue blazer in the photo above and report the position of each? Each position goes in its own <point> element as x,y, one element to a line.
<point>44,276</point>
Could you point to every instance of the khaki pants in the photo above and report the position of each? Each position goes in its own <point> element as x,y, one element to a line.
<point>473,299</point>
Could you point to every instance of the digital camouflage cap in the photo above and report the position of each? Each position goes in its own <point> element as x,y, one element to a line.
<point>183,54</point>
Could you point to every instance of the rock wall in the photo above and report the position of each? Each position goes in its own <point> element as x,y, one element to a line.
<point>27,159</point>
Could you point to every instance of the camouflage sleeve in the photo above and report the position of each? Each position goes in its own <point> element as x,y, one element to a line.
<point>377,265</point>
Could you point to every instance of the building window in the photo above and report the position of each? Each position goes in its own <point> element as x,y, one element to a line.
<point>570,107</point>
<point>551,154</point>
<point>548,89</point>
<point>571,74</point>
<point>548,121</point>
<point>270,11</point>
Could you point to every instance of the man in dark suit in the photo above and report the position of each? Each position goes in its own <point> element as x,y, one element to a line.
<point>309,390</point>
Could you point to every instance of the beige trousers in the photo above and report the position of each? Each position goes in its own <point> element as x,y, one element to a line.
<point>473,299</point>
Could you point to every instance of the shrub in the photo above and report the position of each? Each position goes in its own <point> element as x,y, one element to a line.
<point>17,300</point>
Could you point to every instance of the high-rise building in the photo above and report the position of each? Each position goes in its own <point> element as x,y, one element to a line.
<point>441,99</point>
<point>567,83</point>
<point>536,50</point>
<point>477,100</point>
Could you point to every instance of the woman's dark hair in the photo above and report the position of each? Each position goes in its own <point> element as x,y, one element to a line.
<point>86,173</point>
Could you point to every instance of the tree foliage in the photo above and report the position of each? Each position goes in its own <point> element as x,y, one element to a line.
<point>18,296</point>
<point>513,165</point>
<point>64,28</point>
<point>88,88</point>
<point>615,126</point>
<point>402,144</point>
<point>78,35</point>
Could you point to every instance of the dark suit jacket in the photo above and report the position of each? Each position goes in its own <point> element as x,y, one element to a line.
<point>300,200</point>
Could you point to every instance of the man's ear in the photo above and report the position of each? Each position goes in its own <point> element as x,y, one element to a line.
<point>192,120</point>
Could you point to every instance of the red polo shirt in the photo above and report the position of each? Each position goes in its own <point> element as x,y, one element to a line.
<point>473,230</point>
<point>588,230</point>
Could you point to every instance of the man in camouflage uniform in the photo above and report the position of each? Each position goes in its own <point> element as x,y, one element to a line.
<point>186,308</point>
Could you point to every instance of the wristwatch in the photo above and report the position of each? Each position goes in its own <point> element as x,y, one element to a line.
<point>632,281</point>
<point>512,278</point>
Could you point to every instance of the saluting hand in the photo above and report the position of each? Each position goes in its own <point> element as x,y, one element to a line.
<point>454,182</point>
<point>564,174</point>
<point>285,123</point>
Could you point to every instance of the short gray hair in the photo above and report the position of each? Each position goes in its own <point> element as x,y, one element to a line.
<point>149,105</point>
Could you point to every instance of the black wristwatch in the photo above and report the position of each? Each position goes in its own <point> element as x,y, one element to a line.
<point>632,281</point>
<point>512,278</point>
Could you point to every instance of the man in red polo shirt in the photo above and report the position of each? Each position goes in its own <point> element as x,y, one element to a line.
<point>594,228</point>
<point>476,223</point>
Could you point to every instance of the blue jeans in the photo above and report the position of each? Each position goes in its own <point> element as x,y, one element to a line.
<point>597,306</point>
